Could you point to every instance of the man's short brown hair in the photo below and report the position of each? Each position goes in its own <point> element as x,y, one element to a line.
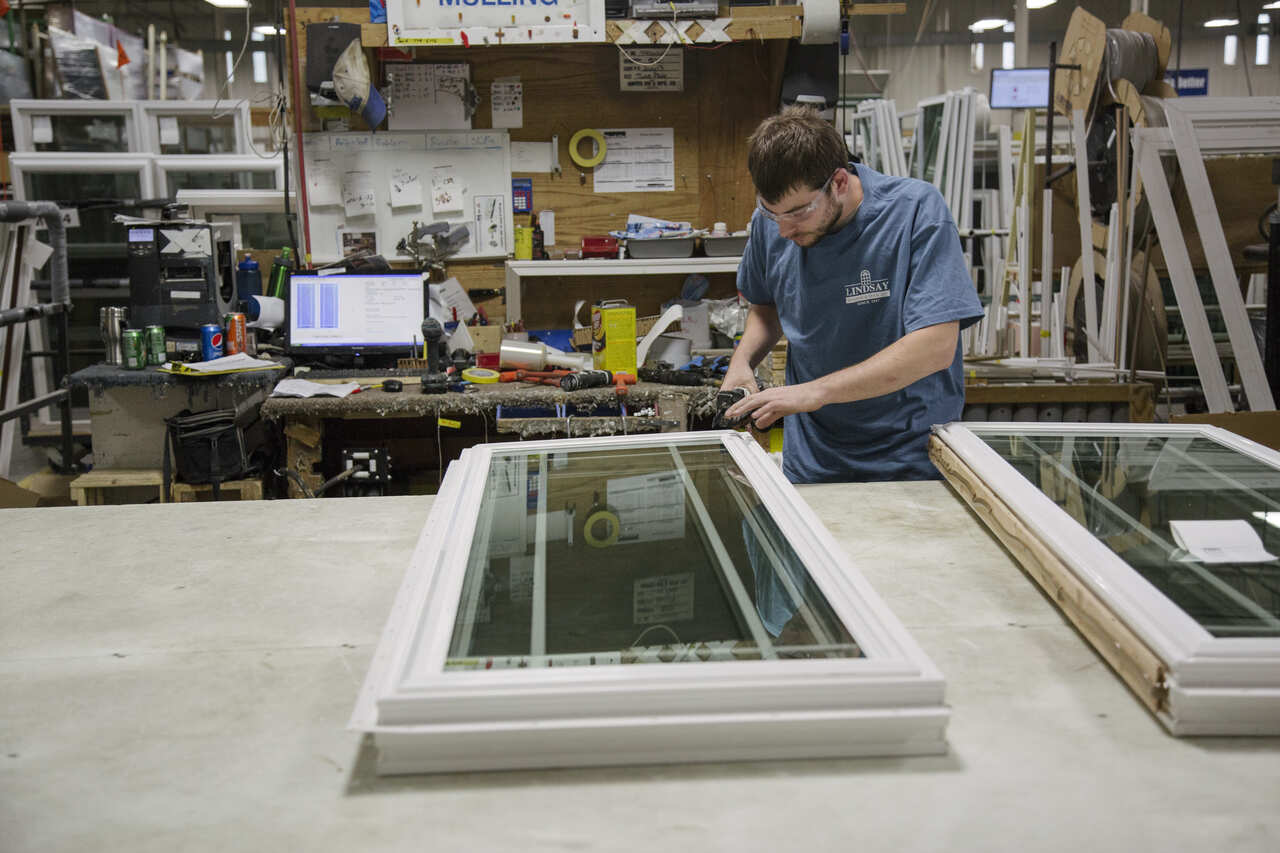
<point>795,149</point>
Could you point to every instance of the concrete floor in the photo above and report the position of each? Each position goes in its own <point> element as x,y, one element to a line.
<point>179,677</point>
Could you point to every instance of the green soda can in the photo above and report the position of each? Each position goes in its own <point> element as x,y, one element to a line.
<point>155,345</point>
<point>133,344</point>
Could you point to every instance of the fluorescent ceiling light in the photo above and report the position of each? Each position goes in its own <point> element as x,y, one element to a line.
<point>1275,4</point>
<point>228,4</point>
<point>1221,22</point>
<point>1040,4</point>
<point>268,30</point>
<point>987,24</point>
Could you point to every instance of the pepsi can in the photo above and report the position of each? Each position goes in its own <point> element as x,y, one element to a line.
<point>210,342</point>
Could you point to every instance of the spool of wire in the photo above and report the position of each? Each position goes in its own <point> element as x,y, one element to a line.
<point>1131,56</point>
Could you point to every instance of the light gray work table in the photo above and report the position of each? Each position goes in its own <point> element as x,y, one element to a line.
<point>179,677</point>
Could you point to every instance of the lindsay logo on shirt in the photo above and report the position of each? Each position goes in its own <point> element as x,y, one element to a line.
<point>866,290</point>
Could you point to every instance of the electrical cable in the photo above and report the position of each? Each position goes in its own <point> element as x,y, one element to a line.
<point>1244,54</point>
<point>658,61</point>
<point>248,7</point>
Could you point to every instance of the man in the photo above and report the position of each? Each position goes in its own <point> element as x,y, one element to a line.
<point>864,275</point>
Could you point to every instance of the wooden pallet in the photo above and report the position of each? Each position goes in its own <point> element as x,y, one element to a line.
<point>232,490</point>
<point>117,485</point>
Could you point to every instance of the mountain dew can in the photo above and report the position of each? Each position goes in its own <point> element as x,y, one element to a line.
<point>133,345</point>
<point>155,345</point>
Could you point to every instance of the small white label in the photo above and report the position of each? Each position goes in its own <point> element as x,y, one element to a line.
<point>70,217</point>
<point>662,598</point>
<point>41,130</point>
<point>169,130</point>
<point>654,69</point>
<point>185,294</point>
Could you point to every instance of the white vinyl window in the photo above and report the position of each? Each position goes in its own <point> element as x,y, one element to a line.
<point>66,126</point>
<point>628,600</point>
<point>197,127</point>
<point>194,172</point>
<point>1165,536</point>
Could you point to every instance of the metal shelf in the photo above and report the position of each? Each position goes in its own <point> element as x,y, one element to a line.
<point>517,270</point>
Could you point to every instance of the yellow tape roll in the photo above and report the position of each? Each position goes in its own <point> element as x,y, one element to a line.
<point>587,133</point>
<point>612,526</point>
<point>480,375</point>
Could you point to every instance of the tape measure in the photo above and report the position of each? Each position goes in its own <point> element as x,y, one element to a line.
<point>480,375</point>
<point>587,133</point>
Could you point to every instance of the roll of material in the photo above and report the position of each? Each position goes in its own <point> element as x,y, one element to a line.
<point>1131,56</point>
<point>480,375</point>
<point>821,22</point>
<point>596,537</point>
<point>587,133</point>
<point>270,312</point>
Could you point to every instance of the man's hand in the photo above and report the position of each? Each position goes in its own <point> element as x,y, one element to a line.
<point>739,376</point>
<point>772,403</point>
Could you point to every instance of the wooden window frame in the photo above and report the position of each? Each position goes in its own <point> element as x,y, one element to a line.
<point>1194,682</point>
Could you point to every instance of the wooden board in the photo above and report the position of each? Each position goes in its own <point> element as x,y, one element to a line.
<point>1131,658</point>
<point>1083,45</point>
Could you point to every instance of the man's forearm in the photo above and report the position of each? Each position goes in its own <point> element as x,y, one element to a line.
<point>761,332</point>
<point>907,360</point>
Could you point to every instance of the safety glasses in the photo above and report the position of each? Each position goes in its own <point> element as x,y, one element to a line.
<point>794,215</point>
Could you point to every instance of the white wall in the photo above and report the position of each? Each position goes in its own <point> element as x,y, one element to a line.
<point>934,69</point>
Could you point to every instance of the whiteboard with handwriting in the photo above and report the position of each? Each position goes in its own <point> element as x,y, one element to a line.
<point>454,176</point>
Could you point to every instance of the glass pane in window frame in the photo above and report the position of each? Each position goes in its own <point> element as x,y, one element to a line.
<point>889,702</point>
<point>1203,684</point>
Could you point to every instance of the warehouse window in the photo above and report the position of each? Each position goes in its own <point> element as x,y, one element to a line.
<point>1230,47</point>
<point>259,66</point>
<point>1007,57</point>
<point>975,56</point>
<point>1263,54</point>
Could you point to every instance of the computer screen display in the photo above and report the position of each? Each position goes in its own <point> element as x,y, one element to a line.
<point>355,311</point>
<point>1019,88</point>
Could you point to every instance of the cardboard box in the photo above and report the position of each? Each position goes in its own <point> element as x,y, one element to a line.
<point>613,336</point>
<point>486,338</point>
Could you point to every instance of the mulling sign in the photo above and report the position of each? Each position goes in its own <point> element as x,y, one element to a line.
<point>494,22</point>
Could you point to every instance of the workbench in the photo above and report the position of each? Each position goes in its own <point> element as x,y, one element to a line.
<point>180,676</point>
<point>472,417</point>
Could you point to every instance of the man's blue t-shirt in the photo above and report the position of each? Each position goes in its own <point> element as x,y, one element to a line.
<point>894,268</point>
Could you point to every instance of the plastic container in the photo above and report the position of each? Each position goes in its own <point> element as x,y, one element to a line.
<point>723,247</point>
<point>672,247</point>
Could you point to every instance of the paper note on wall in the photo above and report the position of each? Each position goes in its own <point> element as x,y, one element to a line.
<point>446,190</point>
<point>507,98</point>
<point>357,194</point>
<point>323,188</point>
<point>637,160</point>
<point>406,189</point>
<point>430,95</point>
<point>169,130</point>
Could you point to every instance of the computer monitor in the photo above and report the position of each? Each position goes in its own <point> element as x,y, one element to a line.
<point>1019,88</point>
<point>355,314</point>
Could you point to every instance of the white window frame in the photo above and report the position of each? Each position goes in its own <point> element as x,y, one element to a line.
<point>78,162</point>
<point>152,111</point>
<point>23,111</point>
<point>225,206</point>
<point>1198,127</point>
<point>1213,685</point>
<point>889,702</point>
<point>217,163</point>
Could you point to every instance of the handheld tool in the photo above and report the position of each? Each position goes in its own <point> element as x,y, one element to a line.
<point>581,379</point>
<point>434,381</point>
<point>726,399</point>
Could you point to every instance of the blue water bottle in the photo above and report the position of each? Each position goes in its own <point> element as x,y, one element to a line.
<point>248,279</point>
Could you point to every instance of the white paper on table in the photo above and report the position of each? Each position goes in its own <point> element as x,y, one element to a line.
<point>307,388</point>
<point>406,189</point>
<point>448,295</point>
<point>358,196</point>
<point>41,130</point>
<point>323,189</point>
<point>169,130</point>
<point>507,97</point>
<point>446,190</point>
<point>1220,541</point>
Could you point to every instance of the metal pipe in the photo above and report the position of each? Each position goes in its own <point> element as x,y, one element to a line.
<point>16,211</point>
<point>34,404</point>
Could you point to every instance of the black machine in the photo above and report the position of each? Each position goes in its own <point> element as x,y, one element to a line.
<point>181,274</point>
